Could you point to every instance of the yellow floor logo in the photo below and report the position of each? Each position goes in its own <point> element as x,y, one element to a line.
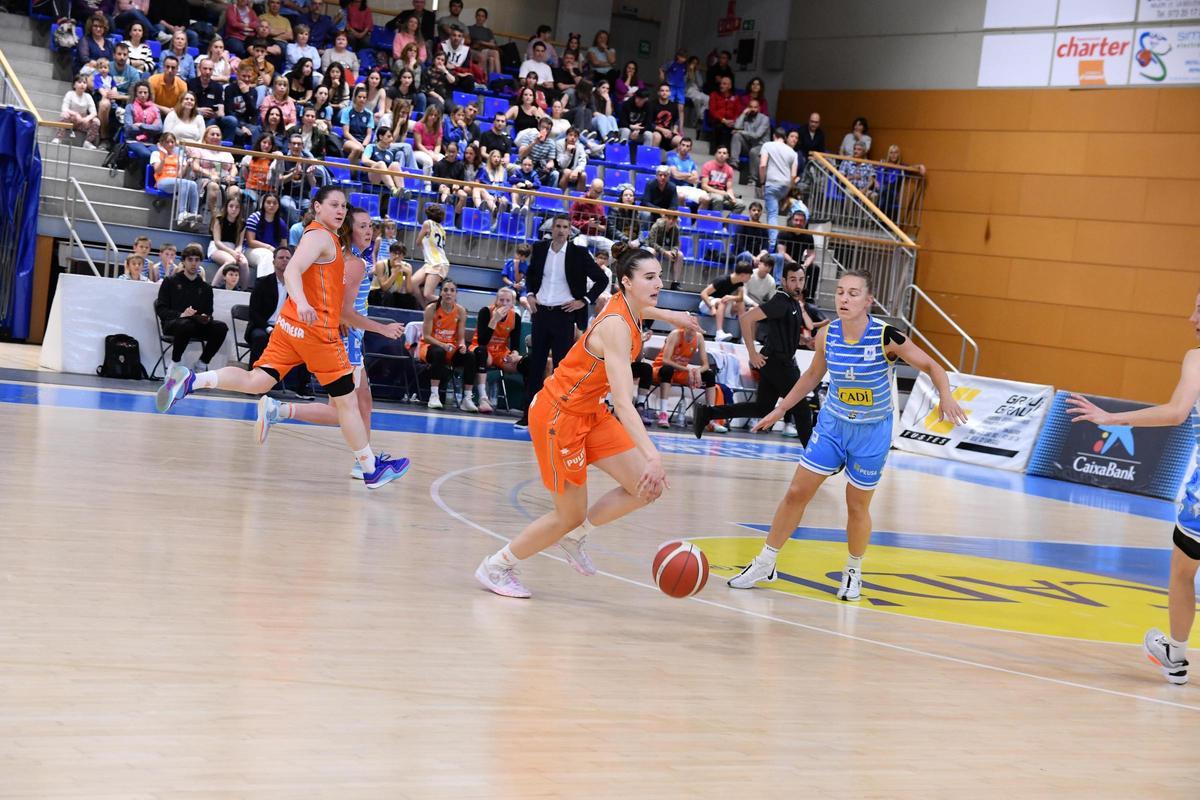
<point>987,592</point>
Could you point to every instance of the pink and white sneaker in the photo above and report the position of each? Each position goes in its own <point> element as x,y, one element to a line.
<point>577,557</point>
<point>503,580</point>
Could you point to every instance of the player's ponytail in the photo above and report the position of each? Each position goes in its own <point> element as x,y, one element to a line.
<point>627,259</point>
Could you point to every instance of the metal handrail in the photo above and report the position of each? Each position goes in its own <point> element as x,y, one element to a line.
<point>908,315</point>
<point>852,190</point>
<point>112,256</point>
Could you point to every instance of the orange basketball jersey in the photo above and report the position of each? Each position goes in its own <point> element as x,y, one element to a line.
<point>684,350</point>
<point>497,347</point>
<point>445,328</point>
<point>323,287</point>
<point>579,382</point>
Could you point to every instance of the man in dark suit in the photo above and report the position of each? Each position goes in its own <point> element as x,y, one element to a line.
<point>558,297</point>
<point>812,136</point>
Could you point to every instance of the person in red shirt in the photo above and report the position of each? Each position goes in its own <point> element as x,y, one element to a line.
<point>723,109</point>
<point>716,178</point>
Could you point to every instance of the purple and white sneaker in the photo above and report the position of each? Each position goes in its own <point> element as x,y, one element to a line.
<point>177,386</point>
<point>502,581</point>
<point>386,470</point>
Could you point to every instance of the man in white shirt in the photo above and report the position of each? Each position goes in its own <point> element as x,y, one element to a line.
<point>538,64</point>
<point>456,50</point>
<point>777,168</point>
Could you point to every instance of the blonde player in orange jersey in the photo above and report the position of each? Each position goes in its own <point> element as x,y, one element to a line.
<point>307,333</point>
<point>572,428</point>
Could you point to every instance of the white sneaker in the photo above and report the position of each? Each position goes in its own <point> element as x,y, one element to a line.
<point>851,585</point>
<point>435,402</point>
<point>1158,650</point>
<point>577,557</point>
<point>485,407</point>
<point>718,428</point>
<point>724,336</point>
<point>757,571</point>
<point>789,430</point>
<point>502,581</point>
<point>468,404</point>
<point>89,146</point>
<point>266,416</point>
<point>356,471</point>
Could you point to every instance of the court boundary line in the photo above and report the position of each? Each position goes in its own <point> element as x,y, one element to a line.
<point>435,495</point>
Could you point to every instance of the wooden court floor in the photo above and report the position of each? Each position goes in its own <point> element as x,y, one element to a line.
<point>187,615</point>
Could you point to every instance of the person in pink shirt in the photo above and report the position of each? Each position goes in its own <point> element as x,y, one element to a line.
<point>409,33</point>
<point>240,24</point>
<point>716,178</point>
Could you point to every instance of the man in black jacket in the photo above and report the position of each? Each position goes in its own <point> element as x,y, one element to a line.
<point>812,136</point>
<point>558,297</point>
<point>185,306</point>
<point>266,300</point>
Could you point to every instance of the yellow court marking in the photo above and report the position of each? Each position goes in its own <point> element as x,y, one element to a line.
<point>971,590</point>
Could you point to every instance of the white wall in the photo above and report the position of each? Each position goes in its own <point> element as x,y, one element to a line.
<point>698,33</point>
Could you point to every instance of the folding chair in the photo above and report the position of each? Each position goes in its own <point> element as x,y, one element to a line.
<point>240,313</point>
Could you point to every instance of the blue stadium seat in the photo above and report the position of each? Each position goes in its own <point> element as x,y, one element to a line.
<point>475,221</point>
<point>639,182</point>
<point>649,156</point>
<point>711,222</point>
<point>511,226</point>
<point>592,172</point>
<point>369,202</point>
<point>404,212</point>
<point>617,153</point>
<point>155,48</point>
<point>493,107</point>
<point>463,98</point>
<point>151,185</point>
<point>339,174</point>
<point>615,177</point>
<point>381,38</point>
<point>193,51</point>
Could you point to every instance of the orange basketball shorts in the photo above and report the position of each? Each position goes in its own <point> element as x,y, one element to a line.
<point>566,443</point>
<point>321,350</point>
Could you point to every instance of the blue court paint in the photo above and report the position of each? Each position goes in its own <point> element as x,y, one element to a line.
<point>502,429</point>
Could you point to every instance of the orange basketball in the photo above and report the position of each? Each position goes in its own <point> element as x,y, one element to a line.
<point>680,569</point>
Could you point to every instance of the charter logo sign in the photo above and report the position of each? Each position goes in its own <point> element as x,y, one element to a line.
<point>1091,57</point>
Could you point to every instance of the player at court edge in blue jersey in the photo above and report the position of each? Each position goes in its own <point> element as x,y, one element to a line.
<point>853,430</point>
<point>1169,651</point>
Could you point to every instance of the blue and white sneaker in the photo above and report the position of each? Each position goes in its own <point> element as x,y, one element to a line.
<point>177,386</point>
<point>267,415</point>
<point>356,471</point>
<point>386,471</point>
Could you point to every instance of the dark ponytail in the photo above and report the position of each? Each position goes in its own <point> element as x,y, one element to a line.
<point>627,258</point>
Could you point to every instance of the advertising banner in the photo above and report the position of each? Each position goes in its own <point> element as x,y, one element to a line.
<point>1148,461</point>
<point>1091,57</point>
<point>1168,10</point>
<point>1166,55</point>
<point>1005,418</point>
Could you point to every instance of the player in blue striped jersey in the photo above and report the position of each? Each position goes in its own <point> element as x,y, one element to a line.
<point>853,430</point>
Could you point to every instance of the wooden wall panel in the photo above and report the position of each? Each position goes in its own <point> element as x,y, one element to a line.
<point>1061,227</point>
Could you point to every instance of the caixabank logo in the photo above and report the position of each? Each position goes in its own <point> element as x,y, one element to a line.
<point>1079,591</point>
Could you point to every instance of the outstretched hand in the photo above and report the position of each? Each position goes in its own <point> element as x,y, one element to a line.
<point>1080,409</point>
<point>768,422</point>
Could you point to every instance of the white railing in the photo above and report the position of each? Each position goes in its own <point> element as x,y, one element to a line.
<point>907,313</point>
<point>112,257</point>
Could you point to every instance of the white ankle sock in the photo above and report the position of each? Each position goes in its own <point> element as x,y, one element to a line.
<point>768,554</point>
<point>503,559</point>
<point>1178,649</point>
<point>205,380</point>
<point>366,459</point>
<point>854,563</point>
<point>285,410</point>
<point>582,531</point>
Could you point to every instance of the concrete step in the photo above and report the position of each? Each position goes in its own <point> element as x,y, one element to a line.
<point>109,213</point>
<point>123,235</point>
<point>110,193</point>
<point>78,155</point>
<point>23,49</point>
<point>13,23</point>
<point>32,73</point>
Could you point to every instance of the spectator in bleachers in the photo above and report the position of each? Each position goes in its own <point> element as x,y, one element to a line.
<point>339,89</point>
<point>438,82</point>
<point>792,203</point>
<point>686,175</point>
<point>279,27</point>
<point>297,229</point>
<point>659,193</point>
<point>748,237</point>
<point>524,177</point>
<point>795,246</point>
<point>224,66</point>
<point>185,307</point>
<point>543,36</point>
<point>858,135</point>
<point>716,179</point>
<point>301,83</point>
<point>603,120</point>
<point>264,69</point>
<point>166,86</point>
<point>724,110</point>
<point>574,47</point>
<point>483,43</point>
<point>674,74</point>
<point>628,83</point>
<point>178,47</point>
<point>458,55</point>
<point>426,20</point>
<point>101,79</point>
<point>663,239</point>
<point>141,247</point>
<point>213,171</point>
<point>471,159</point>
<point>240,22</point>
<point>444,346</point>
<point>427,138</point>
<point>241,121</point>
<point>724,297</point>
<point>256,169</point>
<point>409,33</point>
<point>127,12</point>
<point>450,167</point>
<point>210,95</point>
<point>572,161</point>
<point>228,279</point>
<point>497,139</point>
<point>378,102</point>
<point>381,155</point>
<point>777,167</point>
<point>358,126</point>
<point>750,132</point>
<point>761,286</point>
<point>496,343</point>
<point>602,258</point>
<point>755,90</point>
<point>166,266</point>
<point>637,125</point>
<point>471,113</point>
<point>624,224</point>
<point>567,76</point>
<point>134,270</point>
<point>266,301</point>
<point>665,119</point>
<point>537,62</point>
<point>320,26</point>
<point>167,163</point>
<point>124,77</point>
<point>454,128</point>
<point>94,44</point>
<point>513,273</point>
<point>494,172</point>
<point>300,49</point>
<point>449,20</point>
<point>140,54</point>
<point>228,245</point>
<point>404,88</point>
<point>340,54</point>
<point>694,87</point>
<point>143,124</point>
<point>273,48</point>
<point>359,22</point>
<point>273,126</point>
<point>525,116</point>
<point>860,173</point>
<point>184,120</point>
<point>543,152</point>
<point>390,285</point>
<point>589,217</point>
<point>719,70</point>
<point>173,18</point>
<point>601,58</point>
<point>673,366</point>
<point>280,98</point>
<point>266,229</point>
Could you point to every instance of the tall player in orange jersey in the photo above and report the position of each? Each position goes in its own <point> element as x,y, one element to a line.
<point>572,428</point>
<point>307,333</point>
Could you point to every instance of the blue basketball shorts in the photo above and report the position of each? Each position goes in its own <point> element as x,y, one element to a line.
<point>354,347</point>
<point>1188,516</point>
<point>861,448</point>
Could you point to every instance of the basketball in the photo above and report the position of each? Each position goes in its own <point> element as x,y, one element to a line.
<point>680,569</point>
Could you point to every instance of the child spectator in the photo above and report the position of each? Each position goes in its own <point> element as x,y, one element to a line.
<point>432,239</point>
<point>79,109</point>
<point>134,266</point>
